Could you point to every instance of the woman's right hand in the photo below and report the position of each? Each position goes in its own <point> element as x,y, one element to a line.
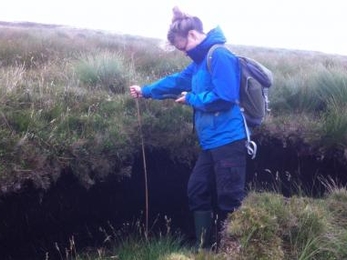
<point>135,91</point>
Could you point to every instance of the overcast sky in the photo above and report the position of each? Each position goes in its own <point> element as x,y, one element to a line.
<point>296,24</point>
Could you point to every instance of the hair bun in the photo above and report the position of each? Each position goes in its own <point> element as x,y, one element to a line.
<point>178,14</point>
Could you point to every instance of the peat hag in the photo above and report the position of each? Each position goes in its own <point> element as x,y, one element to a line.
<point>36,224</point>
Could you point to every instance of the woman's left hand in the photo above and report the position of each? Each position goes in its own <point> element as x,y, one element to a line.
<point>182,98</point>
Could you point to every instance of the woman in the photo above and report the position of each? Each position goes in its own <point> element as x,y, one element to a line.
<point>220,167</point>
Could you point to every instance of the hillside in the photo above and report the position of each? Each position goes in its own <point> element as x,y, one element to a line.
<point>70,135</point>
<point>64,103</point>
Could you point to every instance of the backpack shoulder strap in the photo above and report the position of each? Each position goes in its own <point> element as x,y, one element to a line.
<point>210,53</point>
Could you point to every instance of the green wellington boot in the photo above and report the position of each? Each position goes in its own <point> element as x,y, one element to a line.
<point>203,225</point>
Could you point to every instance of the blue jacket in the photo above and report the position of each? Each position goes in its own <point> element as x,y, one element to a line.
<point>213,96</point>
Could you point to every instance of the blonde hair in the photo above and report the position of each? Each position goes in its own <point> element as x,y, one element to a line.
<point>181,24</point>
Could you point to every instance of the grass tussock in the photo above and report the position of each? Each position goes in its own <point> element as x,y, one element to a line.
<point>270,226</point>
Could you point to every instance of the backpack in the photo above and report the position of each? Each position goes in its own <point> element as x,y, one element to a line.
<point>256,79</point>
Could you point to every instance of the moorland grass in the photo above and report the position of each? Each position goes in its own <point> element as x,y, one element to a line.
<point>64,92</point>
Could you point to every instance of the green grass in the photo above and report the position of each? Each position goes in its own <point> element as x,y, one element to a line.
<point>64,92</point>
<point>106,70</point>
<point>269,226</point>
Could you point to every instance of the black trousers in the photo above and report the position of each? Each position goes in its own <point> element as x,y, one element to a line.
<point>218,179</point>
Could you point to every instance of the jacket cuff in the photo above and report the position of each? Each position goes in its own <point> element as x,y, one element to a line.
<point>188,98</point>
<point>146,91</point>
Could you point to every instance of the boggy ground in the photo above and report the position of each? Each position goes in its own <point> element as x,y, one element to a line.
<point>34,223</point>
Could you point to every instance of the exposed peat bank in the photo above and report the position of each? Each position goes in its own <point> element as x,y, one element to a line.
<point>37,224</point>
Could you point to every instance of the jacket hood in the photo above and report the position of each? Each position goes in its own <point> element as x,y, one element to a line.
<point>198,53</point>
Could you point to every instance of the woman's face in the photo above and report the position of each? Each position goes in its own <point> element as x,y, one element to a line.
<point>181,43</point>
<point>185,44</point>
